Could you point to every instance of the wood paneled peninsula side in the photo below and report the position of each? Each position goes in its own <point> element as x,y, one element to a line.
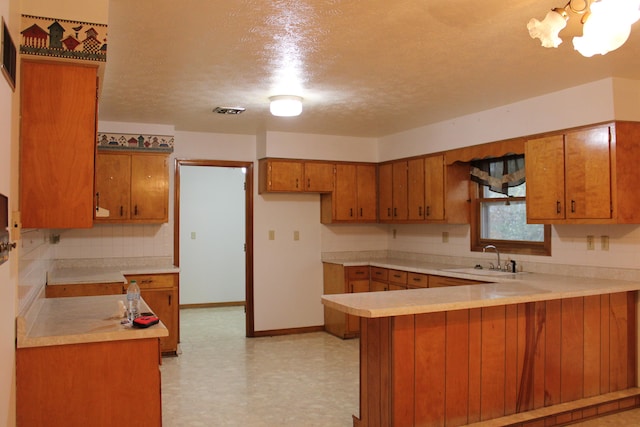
<point>526,348</point>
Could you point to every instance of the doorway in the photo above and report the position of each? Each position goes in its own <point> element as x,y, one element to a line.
<point>186,171</point>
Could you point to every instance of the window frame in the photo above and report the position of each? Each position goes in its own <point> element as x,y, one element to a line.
<point>505,246</point>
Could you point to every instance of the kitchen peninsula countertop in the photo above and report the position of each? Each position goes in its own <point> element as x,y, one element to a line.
<point>60,321</point>
<point>501,289</point>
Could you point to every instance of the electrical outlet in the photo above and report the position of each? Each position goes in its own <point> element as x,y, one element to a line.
<point>590,243</point>
<point>604,243</point>
<point>296,235</point>
<point>445,237</point>
<point>272,234</point>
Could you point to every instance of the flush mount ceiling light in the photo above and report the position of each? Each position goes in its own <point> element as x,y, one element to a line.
<point>285,105</point>
<point>606,24</point>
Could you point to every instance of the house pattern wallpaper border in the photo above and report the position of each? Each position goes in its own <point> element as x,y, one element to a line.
<point>135,142</point>
<point>63,38</point>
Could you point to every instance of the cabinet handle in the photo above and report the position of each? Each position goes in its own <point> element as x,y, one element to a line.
<point>308,182</point>
<point>396,276</point>
<point>297,183</point>
<point>135,210</point>
<point>121,210</point>
<point>558,206</point>
<point>395,212</point>
<point>417,279</point>
<point>573,206</point>
<point>97,201</point>
<point>388,211</point>
<point>360,212</point>
<point>169,298</point>
<point>428,210</point>
<point>351,212</point>
<point>419,210</point>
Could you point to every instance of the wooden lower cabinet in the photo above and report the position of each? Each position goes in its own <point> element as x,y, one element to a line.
<point>100,384</point>
<point>159,291</point>
<point>517,358</point>
<point>339,280</point>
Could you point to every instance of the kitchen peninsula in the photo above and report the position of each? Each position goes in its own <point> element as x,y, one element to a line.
<point>526,347</point>
<point>74,353</point>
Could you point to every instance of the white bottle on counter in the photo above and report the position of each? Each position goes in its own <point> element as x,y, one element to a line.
<point>133,300</point>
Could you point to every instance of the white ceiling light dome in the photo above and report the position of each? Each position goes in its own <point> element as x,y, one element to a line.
<point>285,105</point>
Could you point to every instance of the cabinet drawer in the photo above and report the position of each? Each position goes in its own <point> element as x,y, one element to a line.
<point>149,281</point>
<point>83,289</point>
<point>417,280</point>
<point>440,281</point>
<point>379,273</point>
<point>398,277</point>
<point>358,272</point>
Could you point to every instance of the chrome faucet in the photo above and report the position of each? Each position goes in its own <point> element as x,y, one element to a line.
<point>499,267</point>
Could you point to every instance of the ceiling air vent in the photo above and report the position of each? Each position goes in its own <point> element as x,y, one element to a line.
<point>228,110</point>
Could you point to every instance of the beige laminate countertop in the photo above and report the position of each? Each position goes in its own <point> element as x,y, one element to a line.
<point>505,288</point>
<point>76,320</point>
<point>75,275</point>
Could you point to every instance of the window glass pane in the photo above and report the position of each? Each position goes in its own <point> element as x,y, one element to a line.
<point>502,221</point>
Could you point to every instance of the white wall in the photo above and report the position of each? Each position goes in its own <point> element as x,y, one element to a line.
<point>8,270</point>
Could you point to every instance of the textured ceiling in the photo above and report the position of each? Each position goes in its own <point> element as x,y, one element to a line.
<point>364,68</point>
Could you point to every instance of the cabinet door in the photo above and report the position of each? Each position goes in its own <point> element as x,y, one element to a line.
<point>162,302</point>
<point>367,197</point>
<point>113,185</point>
<point>588,174</point>
<point>285,175</point>
<point>345,195</point>
<point>385,192</point>
<point>400,195</point>
<point>58,143</point>
<point>149,187</point>
<point>544,158</point>
<point>415,189</point>
<point>353,322</point>
<point>434,192</point>
<point>318,177</point>
<point>376,286</point>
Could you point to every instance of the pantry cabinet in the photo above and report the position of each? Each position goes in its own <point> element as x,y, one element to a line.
<point>587,175</point>
<point>354,198</point>
<point>57,144</point>
<point>292,176</point>
<point>132,187</point>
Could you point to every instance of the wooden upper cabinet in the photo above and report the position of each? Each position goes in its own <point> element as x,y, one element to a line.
<point>113,185</point>
<point>149,187</point>
<point>354,198</point>
<point>318,177</point>
<point>569,176</point>
<point>58,143</point>
<point>385,192</point>
<point>294,176</point>
<point>276,175</point>
<point>416,189</point>
<point>544,158</point>
<point>132,187</point>
<point>588,174</point>
<point>434,189</point>
<point>400,191</point>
